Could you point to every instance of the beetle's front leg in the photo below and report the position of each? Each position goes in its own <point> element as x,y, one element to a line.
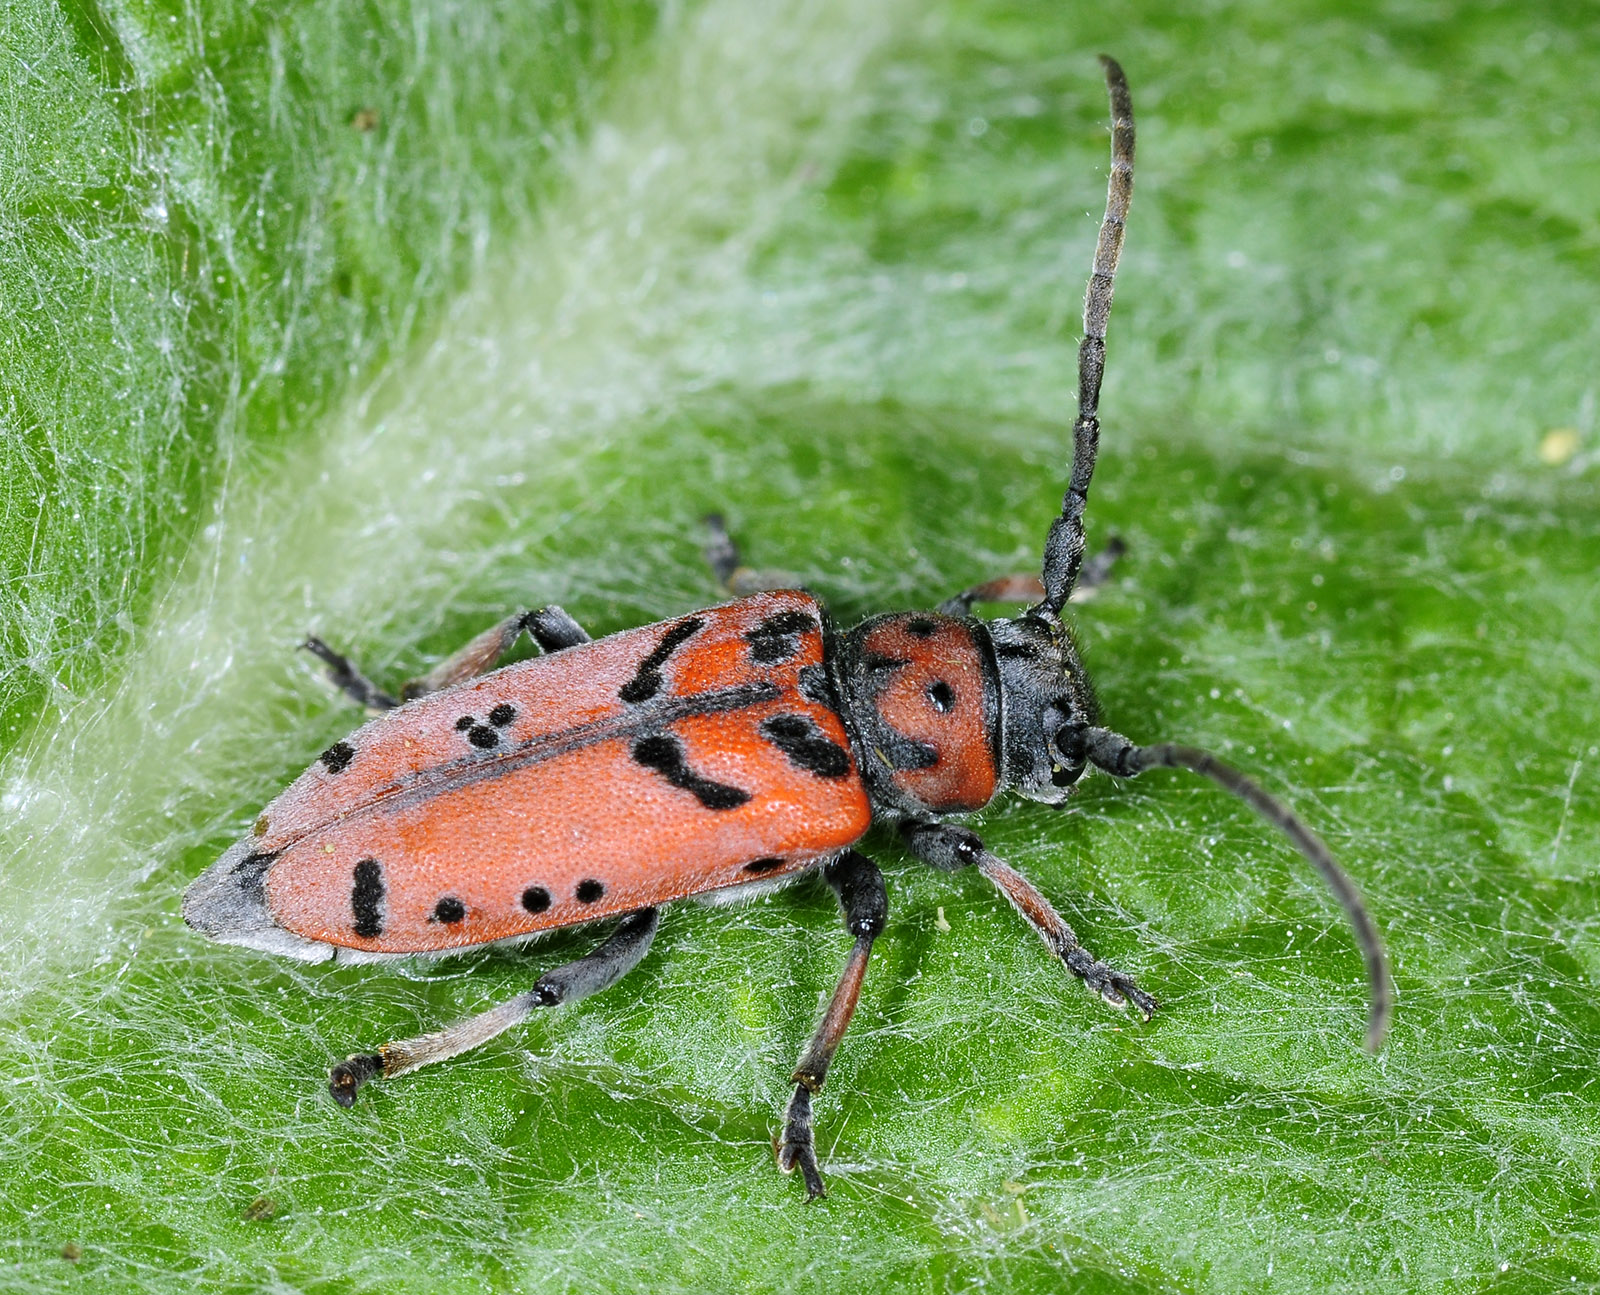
<point>947,846</point>
<point>550,627</point>
<point>865,900</point>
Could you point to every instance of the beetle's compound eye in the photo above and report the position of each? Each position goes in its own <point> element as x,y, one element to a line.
<point>1071,754</point>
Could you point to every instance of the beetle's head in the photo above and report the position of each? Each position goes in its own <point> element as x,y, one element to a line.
<point>1047,706</point>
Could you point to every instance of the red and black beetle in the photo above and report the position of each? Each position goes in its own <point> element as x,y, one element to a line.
<point>752,743</point>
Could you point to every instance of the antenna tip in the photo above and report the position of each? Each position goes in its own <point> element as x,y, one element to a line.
<point>1377,1029</point>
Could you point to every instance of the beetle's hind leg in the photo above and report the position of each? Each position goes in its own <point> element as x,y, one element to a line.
<point>550,627</point>
<point>947,846</point>
<point>859,885</point>
<point>722,555</point>
<point>613,960</point>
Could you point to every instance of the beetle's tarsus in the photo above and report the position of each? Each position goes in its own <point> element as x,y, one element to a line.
<point>1120,991</point>
<point>1116,987</point>
<point>344,675</point>
<point>798,1148</point>
<point>1142,1002</point>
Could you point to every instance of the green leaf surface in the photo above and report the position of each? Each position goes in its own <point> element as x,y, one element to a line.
<point>376,321</point>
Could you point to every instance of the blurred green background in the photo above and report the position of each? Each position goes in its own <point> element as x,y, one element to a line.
<point>379,319</point>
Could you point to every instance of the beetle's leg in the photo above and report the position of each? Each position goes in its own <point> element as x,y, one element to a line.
<point>550,627</point>
<point>944,845</point>
<point>599,970</point>
<point>1097,570</point>
<point>553,629</point>
<point>722,554</point>
<point>1024,586</point>
<point>343,675</point>
<point>859,885</point>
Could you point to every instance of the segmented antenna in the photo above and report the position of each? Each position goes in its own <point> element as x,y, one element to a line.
<point>1116,755</point>
<point>1063,550</point>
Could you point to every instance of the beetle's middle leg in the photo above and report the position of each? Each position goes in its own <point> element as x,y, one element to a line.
<point>948,846</point>
<point>599,970</point>
<point>550,627</point>
<point>859,885</point>
<point>1025,587</point>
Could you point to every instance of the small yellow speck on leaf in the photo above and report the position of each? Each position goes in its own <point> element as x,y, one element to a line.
<point>1558,446</point>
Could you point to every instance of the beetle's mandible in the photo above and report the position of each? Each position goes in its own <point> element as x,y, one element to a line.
<point>750,744</point>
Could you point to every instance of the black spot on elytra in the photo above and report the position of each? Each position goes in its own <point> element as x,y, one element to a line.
<point>664,754</point>
<point>806,745</point>
<point>777,638</point>
<point>877,663</point>
<point>502,715</point>
<point>536,899</point>
<point>366,899</point>
<point>465,722</point>
<point>337,756</point>
<point>251,871</point>
<point>589,890</point>
<point>449,910</point>
<point>942,695</point>
<point>921,626</point>
<point>760,867</point>
<point>903,753</point>
<point>483,737</point>
<point>646,682</point>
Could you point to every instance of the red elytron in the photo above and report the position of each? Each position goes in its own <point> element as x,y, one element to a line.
<point>720,754</point>
<point>489,810</point>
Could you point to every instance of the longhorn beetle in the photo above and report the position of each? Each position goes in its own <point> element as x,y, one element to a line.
<point>722,754</point>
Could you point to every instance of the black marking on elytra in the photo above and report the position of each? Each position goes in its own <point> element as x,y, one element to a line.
<point>777,638</point>
<point>664,754</point>
<point>760,867</point>
<point>536,899</point>
<point>942,695</point>
<point>466,722</point>
<point>625,726</point>
<point>921,626</point>
<point>589,890</point>
<point>483,737</point>
<point>449,910</point>
<point>338,756</point>
<point>366,899</point>
<point>646,682</point>
<point>816,687</point>
<point>806,745</point>
<point>251,871</point>
<point>877,663</point>
<point>502,714</point>
<point>904,753</point>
